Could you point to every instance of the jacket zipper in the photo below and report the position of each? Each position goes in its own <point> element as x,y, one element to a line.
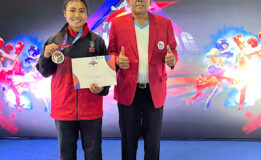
<point>76,104</point>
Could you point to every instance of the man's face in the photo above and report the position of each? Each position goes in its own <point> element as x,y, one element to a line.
<point>139,7</point>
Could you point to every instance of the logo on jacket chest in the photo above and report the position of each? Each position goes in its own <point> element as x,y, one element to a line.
<point>91,47</point>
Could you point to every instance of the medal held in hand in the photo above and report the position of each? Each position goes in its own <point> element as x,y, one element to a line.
<point>58,57</point>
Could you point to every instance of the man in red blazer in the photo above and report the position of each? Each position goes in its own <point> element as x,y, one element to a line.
<point>143,44</point>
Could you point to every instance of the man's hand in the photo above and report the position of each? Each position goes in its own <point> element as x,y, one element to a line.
<point>122,61</point>
<point>170,58</point>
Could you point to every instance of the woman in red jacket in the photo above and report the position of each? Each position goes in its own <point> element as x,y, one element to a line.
<point>74,110</point>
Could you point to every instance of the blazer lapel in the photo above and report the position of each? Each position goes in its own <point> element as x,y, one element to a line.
<point>132,34</point>
<point>152,35</point>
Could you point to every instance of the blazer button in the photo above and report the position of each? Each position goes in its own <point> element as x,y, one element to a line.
<point>136,61</point>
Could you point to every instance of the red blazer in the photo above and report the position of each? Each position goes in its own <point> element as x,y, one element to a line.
<point>122,33</point>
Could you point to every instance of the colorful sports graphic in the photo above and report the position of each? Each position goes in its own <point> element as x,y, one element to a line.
<point>231,61</point>
<point>228,67</point>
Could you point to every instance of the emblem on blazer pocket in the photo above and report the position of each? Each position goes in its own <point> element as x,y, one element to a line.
<point>161,45</point>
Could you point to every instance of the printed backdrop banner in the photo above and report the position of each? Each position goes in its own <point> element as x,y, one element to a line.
<point>213,92</point>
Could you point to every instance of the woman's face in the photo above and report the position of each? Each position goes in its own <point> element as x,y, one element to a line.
<point>76,15</point>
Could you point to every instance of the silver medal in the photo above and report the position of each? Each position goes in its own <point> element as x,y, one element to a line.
<point>57,57</point>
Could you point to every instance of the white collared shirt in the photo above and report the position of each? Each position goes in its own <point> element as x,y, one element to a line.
<point>142,36</point>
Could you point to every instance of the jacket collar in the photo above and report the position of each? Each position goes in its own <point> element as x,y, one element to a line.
<point>74,34</point>
<point>132,35</point>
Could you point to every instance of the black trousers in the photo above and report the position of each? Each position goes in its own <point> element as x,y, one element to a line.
<point>68,134</point>
<point>140,119</point>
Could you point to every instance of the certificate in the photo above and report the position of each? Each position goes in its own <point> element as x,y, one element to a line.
<point>100,70</point>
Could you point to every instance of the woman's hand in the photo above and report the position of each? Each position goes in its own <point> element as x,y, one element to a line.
<point>94,88</point>
<point>50,49</point>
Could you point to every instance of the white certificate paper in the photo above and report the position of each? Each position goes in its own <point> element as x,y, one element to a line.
<point>100,70</point>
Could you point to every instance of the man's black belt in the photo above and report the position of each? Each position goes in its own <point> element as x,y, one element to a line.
<point>142,85</point>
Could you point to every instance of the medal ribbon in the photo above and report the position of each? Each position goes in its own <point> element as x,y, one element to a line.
<point>64,45</point>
